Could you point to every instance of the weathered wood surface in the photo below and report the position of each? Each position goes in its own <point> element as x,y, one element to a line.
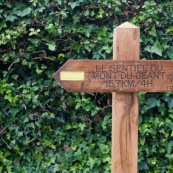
<point>116,75</point>
<point>125,105</point>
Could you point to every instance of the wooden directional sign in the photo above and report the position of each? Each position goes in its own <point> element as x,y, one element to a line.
<point>127,75</point>
<point>114,75</point>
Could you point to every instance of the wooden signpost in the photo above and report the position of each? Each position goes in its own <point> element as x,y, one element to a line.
<point>124,76</point>
<point>116,76</point>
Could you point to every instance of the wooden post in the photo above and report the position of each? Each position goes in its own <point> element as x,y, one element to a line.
<point>125,105</point>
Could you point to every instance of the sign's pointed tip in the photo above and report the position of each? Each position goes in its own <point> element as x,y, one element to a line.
<point>127,25</point>
<point>56,76</point>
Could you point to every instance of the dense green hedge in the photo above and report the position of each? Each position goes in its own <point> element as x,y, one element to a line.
<point>45,129</point>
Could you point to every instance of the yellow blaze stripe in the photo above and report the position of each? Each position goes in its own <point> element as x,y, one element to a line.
<point>72,75</point>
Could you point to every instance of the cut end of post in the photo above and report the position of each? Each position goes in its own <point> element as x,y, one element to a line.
<point>127,25</point>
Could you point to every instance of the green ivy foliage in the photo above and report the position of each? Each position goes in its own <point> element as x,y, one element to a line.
<point>45,129</point>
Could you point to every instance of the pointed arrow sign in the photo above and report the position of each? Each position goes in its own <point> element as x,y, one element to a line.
<point>116,76</point>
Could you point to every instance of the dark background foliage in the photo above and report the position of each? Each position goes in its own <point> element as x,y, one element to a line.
<point>45,129</point>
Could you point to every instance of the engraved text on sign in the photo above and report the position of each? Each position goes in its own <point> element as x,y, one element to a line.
<point>128,76</point>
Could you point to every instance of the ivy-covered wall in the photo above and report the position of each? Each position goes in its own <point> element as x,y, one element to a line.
<point>45,129</point>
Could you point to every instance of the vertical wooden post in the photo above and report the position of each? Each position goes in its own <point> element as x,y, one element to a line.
<point>125,105</point>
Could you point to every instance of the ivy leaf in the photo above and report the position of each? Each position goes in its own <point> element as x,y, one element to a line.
<point>73,4</point>
<point>142,141</point>
<point>169,156</point>
<point>170,53</point>
<point>103,32</point>
<point>170,30</point>
<point>3,24</point>
<point>9,97</point>
<point>143,166</point>
<point>104,148</point>
<point>91,163</point>
<point>11,18</point>
<point>169,146</point>
<point>78,105</point>
<point>26,12</point>
<point>153,102</point>
<point>101,12</point>
<point>106,158</point>
<point>14,111</point>
<point>156,50</point>
<point>153,32</point>
<point>51,46</point>
<point>82,126</point>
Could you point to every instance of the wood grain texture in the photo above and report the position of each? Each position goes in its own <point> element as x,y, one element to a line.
<point>125,105</point>
<point>116,75</point>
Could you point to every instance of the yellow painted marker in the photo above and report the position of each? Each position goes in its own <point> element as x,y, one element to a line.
<point>72,75</point>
